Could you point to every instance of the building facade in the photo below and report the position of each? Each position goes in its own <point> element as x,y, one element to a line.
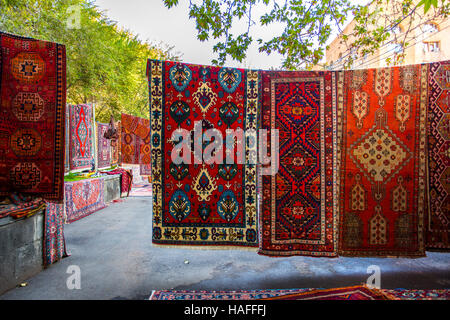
<point>426,37</point>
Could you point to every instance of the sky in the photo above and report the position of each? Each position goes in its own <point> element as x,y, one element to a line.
<point>152,21</point>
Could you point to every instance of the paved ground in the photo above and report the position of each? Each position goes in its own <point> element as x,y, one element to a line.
<point>113,249</point>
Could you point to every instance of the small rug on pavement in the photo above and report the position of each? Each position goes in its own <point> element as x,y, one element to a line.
<point>346,293</point>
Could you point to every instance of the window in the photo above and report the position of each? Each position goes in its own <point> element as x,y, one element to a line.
<point>429,28</point>
<point>395,48</point>
<point>429,47</point>
<point>396,30</point>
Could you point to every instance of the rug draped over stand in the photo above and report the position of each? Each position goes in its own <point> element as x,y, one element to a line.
<point>438,217</point>
<point>103,147</point>
<point>383,137</point>
<point>32,104</point>
<point>126,180</point>
<point>83,197</point>
<point>298,211</point>
<point>199,203</point>
<point>81,137</point>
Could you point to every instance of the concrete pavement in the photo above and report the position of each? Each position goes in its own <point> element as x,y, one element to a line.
<point>113,250</point>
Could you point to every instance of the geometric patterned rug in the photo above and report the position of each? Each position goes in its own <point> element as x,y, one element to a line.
<point>83,198</point>
<point>67,141</point>
<point>32,102</point>
<point>54,242</point>
<point>347,293</point>
<point>143,131</point>
<point>103,147</point>
<point>201,203</point>
<point>298,211</point>
<point>20,206</point>
<point>130,141</point>
<point>353,154</point>
<point>81,141</point>
<point>382,129</point>
<point>408,294</point>
<point>116,146</point>
<point>438,215</point>
<point>135,142</point>
<point>221,295</point>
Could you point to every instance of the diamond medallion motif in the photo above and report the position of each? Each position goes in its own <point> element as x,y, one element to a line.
<point>380,154</point>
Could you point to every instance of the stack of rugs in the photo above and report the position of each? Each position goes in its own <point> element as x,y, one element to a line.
<point>359,167</point>
<point>20,206</point>
<point>361,292</point>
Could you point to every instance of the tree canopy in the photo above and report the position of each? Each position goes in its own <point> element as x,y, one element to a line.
<point>105,64</point>
<point>308,25</point>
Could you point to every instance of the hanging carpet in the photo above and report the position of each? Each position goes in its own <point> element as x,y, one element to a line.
<point>200,203</point>
<point>130,141</point>
<point>382,113</point>
<point>54,242</point>
<point>438,215</point>
<point>116,146</point>
<point>81,137</point>
<point>32,116</point>
<point>298,211</point>
<point>103,147</point>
